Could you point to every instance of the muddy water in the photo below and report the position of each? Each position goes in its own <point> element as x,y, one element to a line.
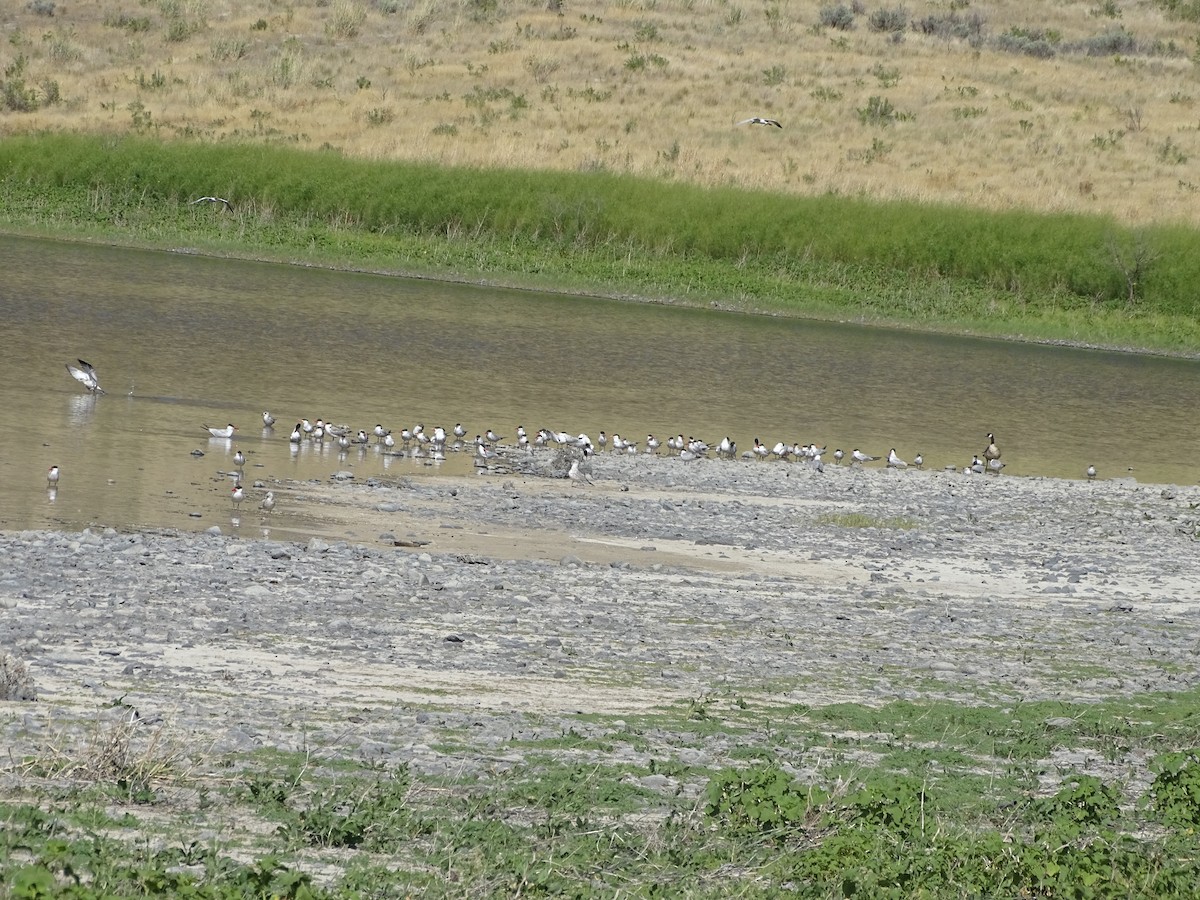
<point>181,341</point>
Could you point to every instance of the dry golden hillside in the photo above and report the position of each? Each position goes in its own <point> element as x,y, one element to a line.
<point>1087,106</point>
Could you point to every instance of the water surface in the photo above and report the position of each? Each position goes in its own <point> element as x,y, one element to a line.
<point>181,341</point>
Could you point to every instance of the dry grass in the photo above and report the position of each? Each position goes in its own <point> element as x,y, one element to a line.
<point>649,87</point>
<point>120,750</point>
<point>15,681</point>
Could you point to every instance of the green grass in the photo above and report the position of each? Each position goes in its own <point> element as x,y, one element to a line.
<point>1040,277</point>
<point>912,799</point>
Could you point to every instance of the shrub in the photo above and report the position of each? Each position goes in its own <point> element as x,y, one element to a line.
<point>890,20</point>
<point>1036,42</point>
<point>967,28</point>
<point>839,17</point>
<point>1112,43</point>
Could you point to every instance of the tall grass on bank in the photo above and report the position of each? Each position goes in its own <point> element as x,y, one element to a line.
<point>902,261</point>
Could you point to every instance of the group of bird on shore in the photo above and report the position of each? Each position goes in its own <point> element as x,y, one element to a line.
<point>433,444</point>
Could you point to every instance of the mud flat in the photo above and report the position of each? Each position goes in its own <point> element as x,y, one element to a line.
<point>507,595</point>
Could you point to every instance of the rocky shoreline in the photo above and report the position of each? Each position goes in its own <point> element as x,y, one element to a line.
<point>504,595</point>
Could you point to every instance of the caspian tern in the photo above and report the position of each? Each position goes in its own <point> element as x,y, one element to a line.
<point>859,457</point>
<point>894,461</point>
<point>228,205</point>
<point>226,432</point>
<point>85,374</point>
<point>238,494</point>
<point>759,120</point>
<point>52,477</point>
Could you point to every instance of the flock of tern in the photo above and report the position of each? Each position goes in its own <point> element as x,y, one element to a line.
<point>434,444</point>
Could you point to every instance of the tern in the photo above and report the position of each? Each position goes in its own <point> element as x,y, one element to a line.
<point>576,474</point>
<point>994,466</point>
<point>228,205</point>
<point>226,432</point>
<point>859,457</point>
<point>297,434</point>
<point>759,120</point>
<point>86,375</point>
<point>492,436</point>
<point>239,459</point>
<point>238,494</point>
<point>918,460</point>
<point>52,477</point>
<point>1091,472</point>
<point>380,431</point>
<point>268,502</point>
<point>268,419</point>
<point>894,461</point>
<point>652,444</point>
<point>838,456</point>
<point>388,441</point>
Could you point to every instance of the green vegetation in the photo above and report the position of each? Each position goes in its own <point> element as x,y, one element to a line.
<point>912,799</point>
<point>1036,276</point>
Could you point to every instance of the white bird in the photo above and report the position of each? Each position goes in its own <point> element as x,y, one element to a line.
<point>602,441</point>
<point>918,460</point>
<point>838,456</point>
<point>994,466</point>
<point>268,419</point>
<point>618,444</point>
<point>816,463</point>
<point>652,444</point>
<point>727,448</point>
<point>226,432</point>
<point>976,466</point>
<point>760,449</point>
<point>485,452</point>
<point>1091,472</point>
<point>239,459</point>
<point>492,436</point>
<point>459,431</point>
<point>759,120</point>
<point>297,434</point>
<point>379,433</point>
<point>228,205</point>
<point>576,474</point>
<point>388,441</point>
<point>238,494</point>
<point>362,437</point>
<point>894,461</point>
<point>268,502</point>
<point>858,456</point>
<point>86,375</point>
<point>52,477</point>
<point>781,450</point>
<point>306,426</point>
